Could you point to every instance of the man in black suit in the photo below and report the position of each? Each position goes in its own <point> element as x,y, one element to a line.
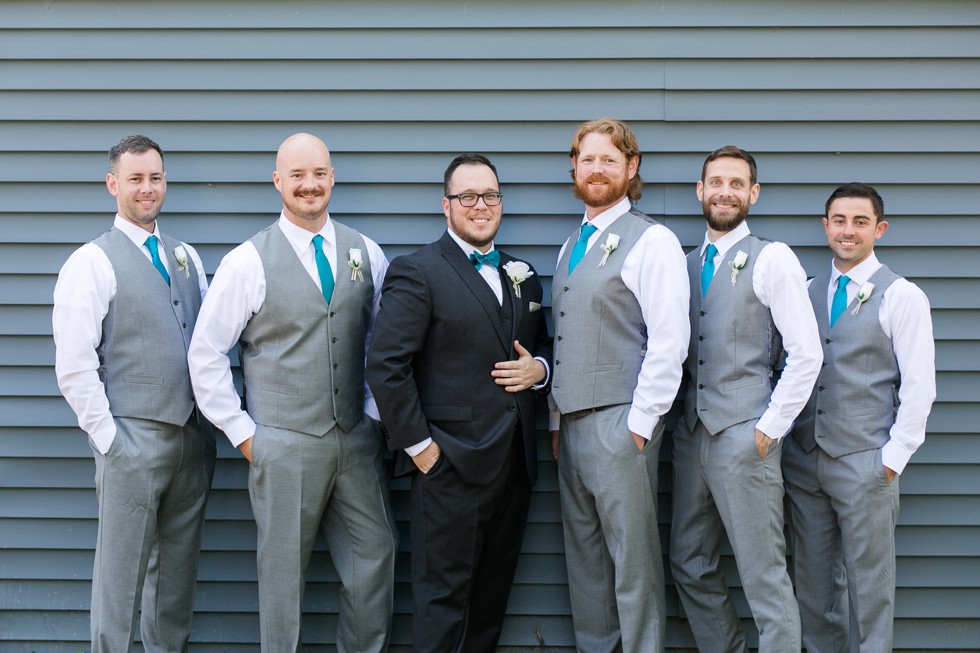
<point>459,348</point>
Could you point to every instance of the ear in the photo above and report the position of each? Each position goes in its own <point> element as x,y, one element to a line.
<point>633,166</point>
<point>277,180</point>
<point>880,229</point>
<point>445,208</point>
<point>754,193</point>
<point>700,191</point>
<point>112,184</point>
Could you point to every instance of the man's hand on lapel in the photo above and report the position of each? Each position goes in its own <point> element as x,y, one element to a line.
<point>520,374</point>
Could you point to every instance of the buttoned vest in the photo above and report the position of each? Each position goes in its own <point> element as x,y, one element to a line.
<point>855,399</point>
<point>735,347</point>
<point>302,359</point>
<point>145,334</point>
<point>600,335</point>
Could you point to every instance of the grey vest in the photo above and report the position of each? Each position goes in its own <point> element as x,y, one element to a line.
<point>600,335</point>
<point>303,360</point>
<point>855,400</point>
<point>734,347</point>
<point>145,334</point>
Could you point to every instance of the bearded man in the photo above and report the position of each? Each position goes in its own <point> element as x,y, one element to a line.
<point>750,307</point>
<point>619,299</point>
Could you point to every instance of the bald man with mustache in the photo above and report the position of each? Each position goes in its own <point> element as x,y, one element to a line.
<point>300,298</point>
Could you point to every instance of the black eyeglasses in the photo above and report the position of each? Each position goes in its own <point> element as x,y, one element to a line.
<point>470,199</point>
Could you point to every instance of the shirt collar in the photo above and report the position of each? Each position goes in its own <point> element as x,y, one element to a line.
<point>301,238</point>
<point>726,242</point>
<point>610,215</point>
<point>134,232</point>
<point>860,273</point>
<point>465,246</point>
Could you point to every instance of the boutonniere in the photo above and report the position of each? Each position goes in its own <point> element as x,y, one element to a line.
<point>612,242</point>
<point>181,255</point>
<point>518,272</point>
<point>737,264</point>
<point>863,295</point>
<point>354,261</point>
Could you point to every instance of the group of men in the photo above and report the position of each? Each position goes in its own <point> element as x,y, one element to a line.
<point>444,355</point>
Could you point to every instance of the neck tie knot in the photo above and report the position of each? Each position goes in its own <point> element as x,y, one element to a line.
<point>151,244</point>
<point>323,269</point>
<point>840,299</point>
<point>708,269</point>
<point>490,258</point>
<point>581,245</point>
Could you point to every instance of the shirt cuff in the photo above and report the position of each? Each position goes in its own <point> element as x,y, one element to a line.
<point>773,425</point>
<point>416,449</point>
<point>103,438</point>
<point>547,375</point>
<point>894,456</point>
<point>240,430</point>
<point>641,423</point>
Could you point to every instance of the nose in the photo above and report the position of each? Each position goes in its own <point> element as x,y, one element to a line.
<point>479,198</point>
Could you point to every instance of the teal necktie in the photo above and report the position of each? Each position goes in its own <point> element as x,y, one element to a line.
<point>151,244</point>
<point>708,269</point>
<point>582,244</point>
<point>840,299</point>
<point>490,258</point>
<point>323,269</point>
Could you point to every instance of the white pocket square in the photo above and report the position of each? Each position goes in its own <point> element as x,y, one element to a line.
<point>533,306</point>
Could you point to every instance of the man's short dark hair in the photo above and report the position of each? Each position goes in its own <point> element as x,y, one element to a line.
<point>856,189</point>
<point>471,159</point>
<point>135,144</point>
<point>732,152</point>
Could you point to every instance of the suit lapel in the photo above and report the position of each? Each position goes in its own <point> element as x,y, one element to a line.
<point>516,305</point>
<point>476,285</point>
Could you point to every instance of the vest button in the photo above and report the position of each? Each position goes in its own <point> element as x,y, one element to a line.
<point>176,301</point>
<point>819,412</point>
<point>565,289</point>
<point>183,324</point>
<point>504,318</point>
<point>333,340</point>
<point>701,313</point>
<point>820,388</point>
<point>331,313</point>
<point>557,362</point>
<point>700,337</point>
<point>700,386</point>
<point>562,314</point>
<point>700,362</point>
<point>336,391</point>
<point>512,408</point>
<point>827,340</point>
<point>336,365</point>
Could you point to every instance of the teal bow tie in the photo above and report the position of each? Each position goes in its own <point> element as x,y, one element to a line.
<point>490,258</point>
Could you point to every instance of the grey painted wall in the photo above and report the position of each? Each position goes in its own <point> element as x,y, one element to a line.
<point>821,92</point>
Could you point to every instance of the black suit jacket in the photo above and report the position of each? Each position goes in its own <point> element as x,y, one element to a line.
<point>433,346</point>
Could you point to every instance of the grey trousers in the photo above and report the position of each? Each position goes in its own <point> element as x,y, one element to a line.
<point>612,544</point>
<point>152,487</point>
<point>299,484</point>
<point>843,513</point>
<point>722,486</point>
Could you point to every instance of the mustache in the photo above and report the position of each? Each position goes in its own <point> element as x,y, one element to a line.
<point>308,193</point>
<point>596,177</point>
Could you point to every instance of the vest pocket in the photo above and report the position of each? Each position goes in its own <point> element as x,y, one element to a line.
<point>143,378</point>
<point>603,367</point>
<point>279,388</point>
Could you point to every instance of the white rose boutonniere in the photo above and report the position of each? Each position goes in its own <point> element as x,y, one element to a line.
<point>518,272</point>
<point>181,255</point>
<point>612,242</point>
<point>354,261</point>
<point>863,294</point>
<point>737,264</point>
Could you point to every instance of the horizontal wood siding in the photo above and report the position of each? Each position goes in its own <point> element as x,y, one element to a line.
<point>821,93</point>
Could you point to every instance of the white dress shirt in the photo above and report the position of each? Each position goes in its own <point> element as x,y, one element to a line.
<point>491,275</point>
<point>905,319</point>
<point>779,282</point>
<point>237,292</point>
<point>655,271</point>
<point>86,285</point>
